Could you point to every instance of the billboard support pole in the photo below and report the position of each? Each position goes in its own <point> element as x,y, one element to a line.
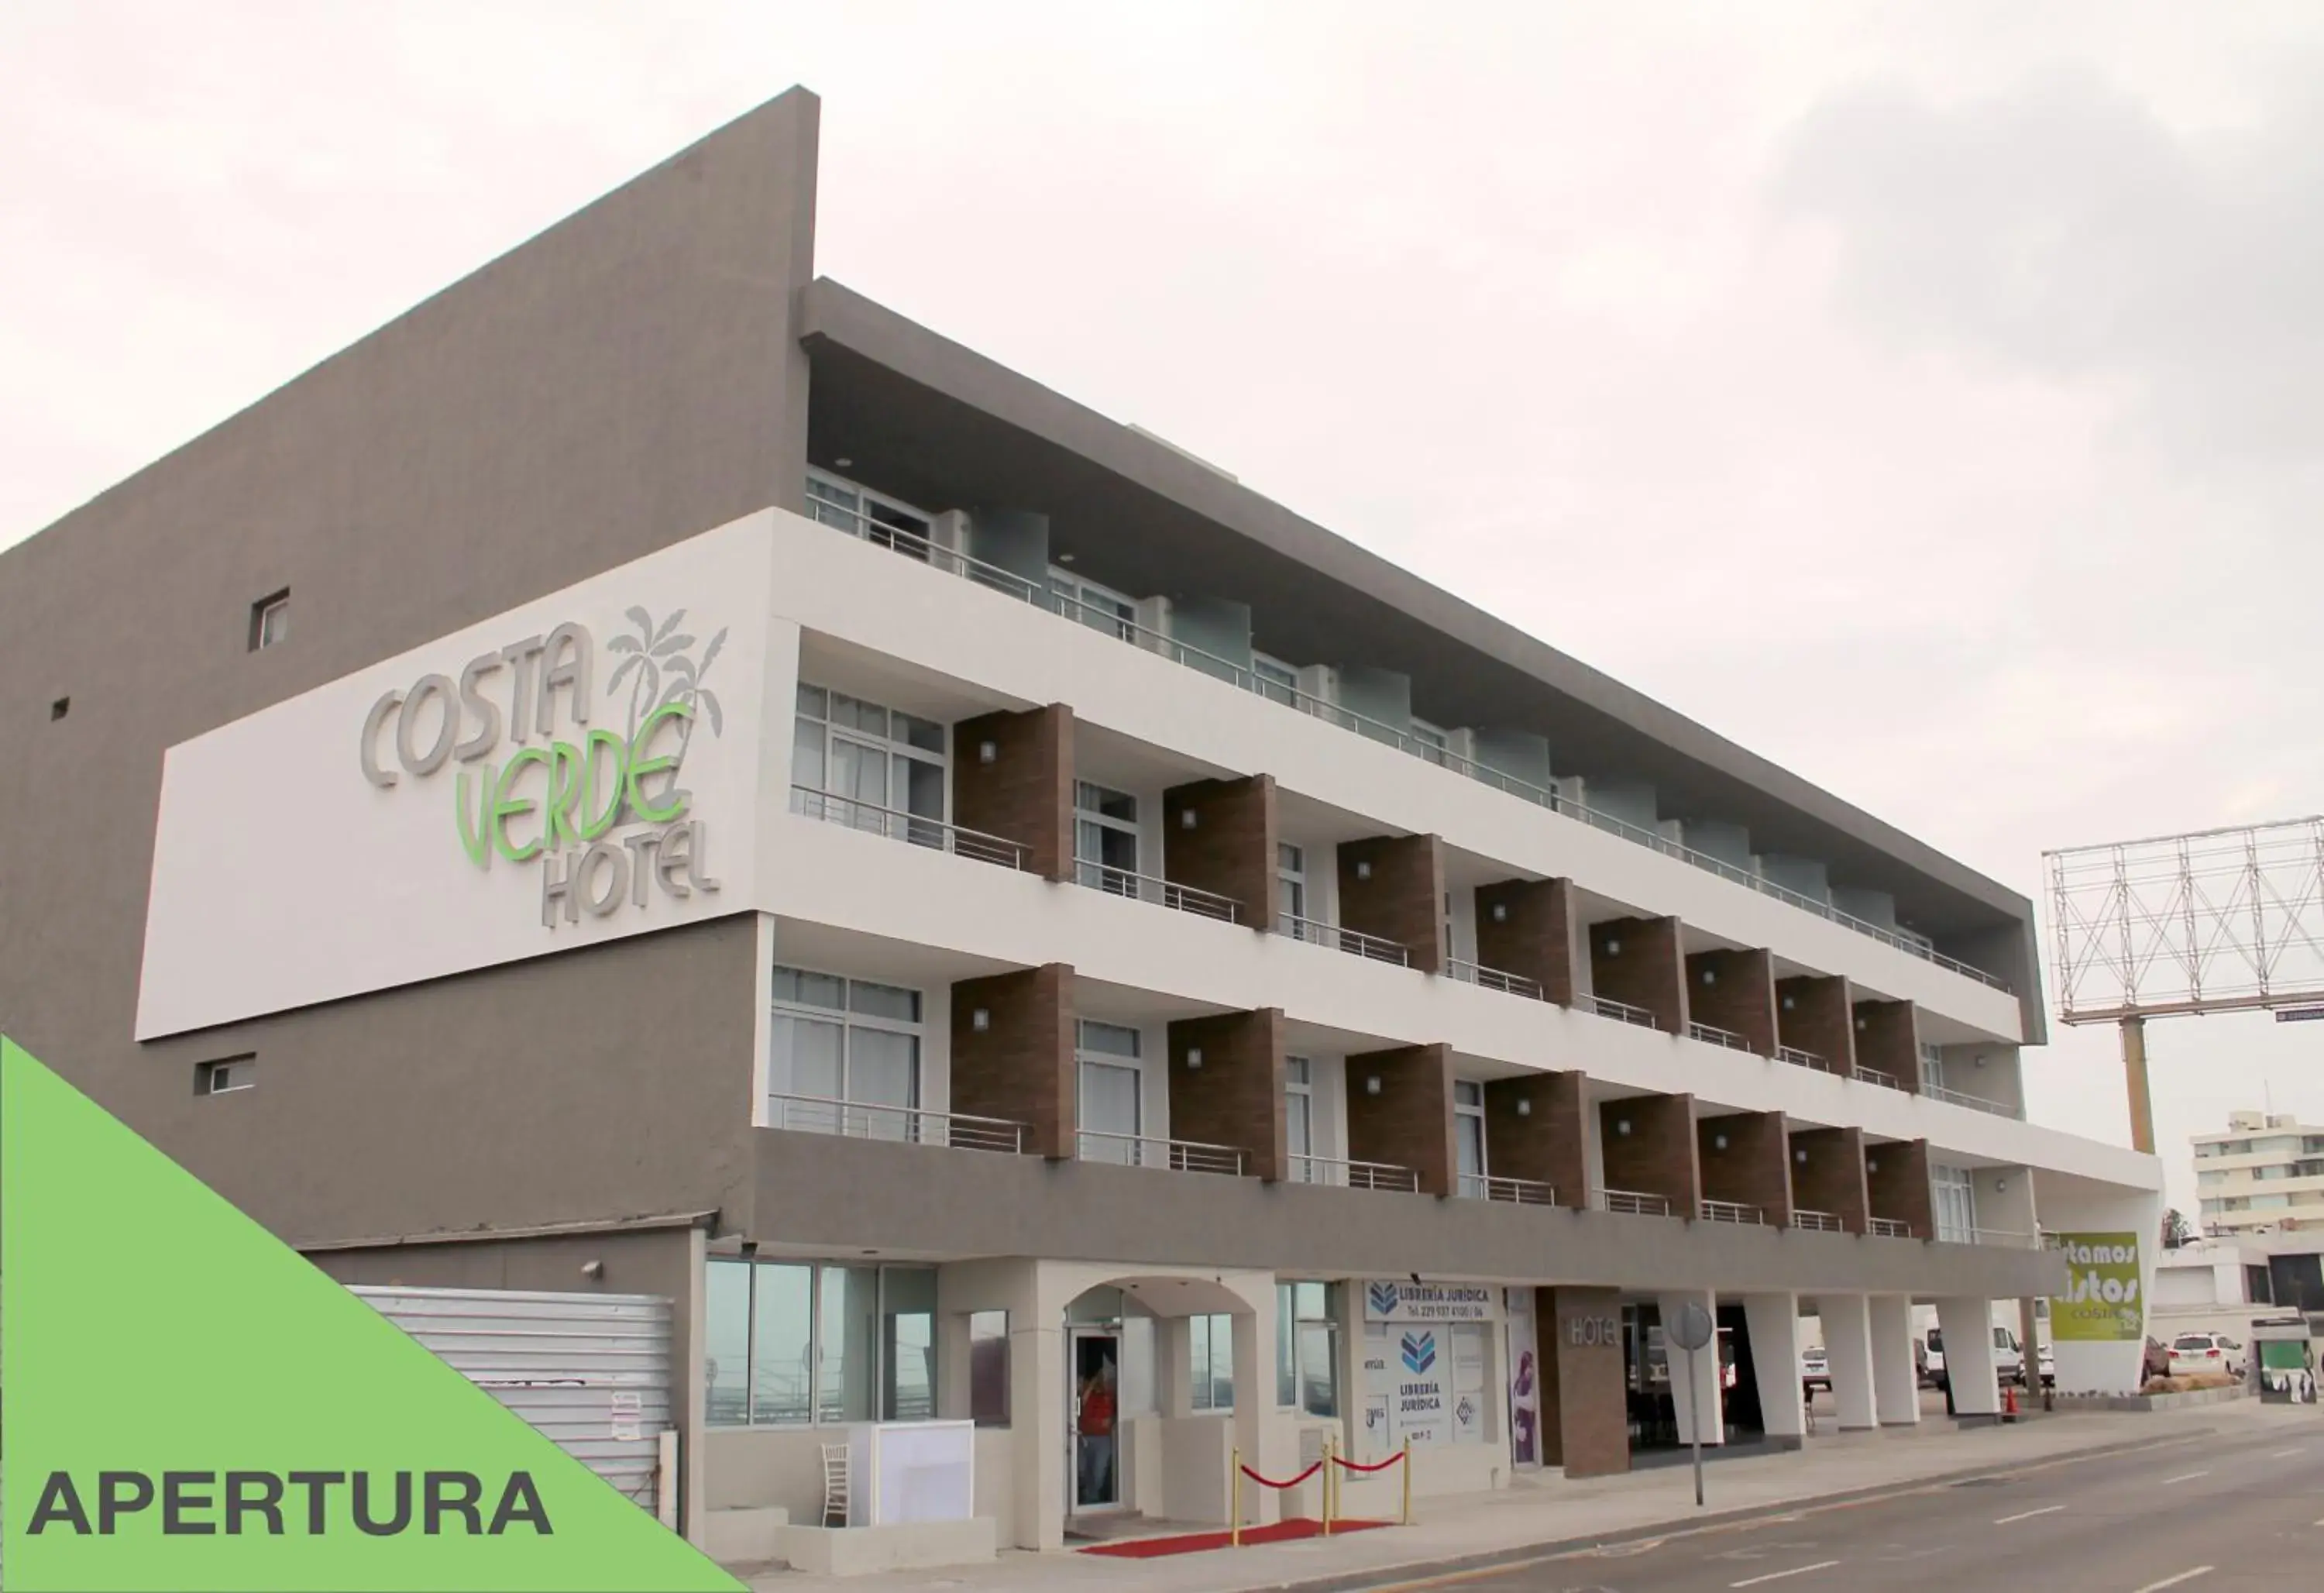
<point>2134,1068</point>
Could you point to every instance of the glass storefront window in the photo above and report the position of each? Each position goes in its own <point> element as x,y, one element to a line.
<point>1307,1347</point>
<point>791,1343</point>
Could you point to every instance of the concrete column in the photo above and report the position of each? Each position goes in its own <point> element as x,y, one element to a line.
<point>1773,1321</point>
<point>1848,1349</point>
<point>1174,1357</point>
<point>1038,1422</point>
<point>1268,1446</point>
<point>1895,1380</point>
<point>1701,1392</point>
<point>1967,1327</point>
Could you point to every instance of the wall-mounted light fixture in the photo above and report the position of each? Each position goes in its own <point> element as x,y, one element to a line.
<point>1613,946</point>
<point>1788,1003</point>
<point>1718,1141</point>
<point>1524,1106</point>
<point>1193,1058</point>
<point>1872,1164</point>
<point>1710,976</point>
<point>988,752</point>
<point>592,1269</point>
<point>1861,1026</point>
<point>1980,1058</point>
<point>1186,819</point>
<point>1371,1084</point>
<point>1622,1126</point>
<point>980,1020</point>
<point>1500,913</point>
<point>1363,868</point>
<point>2000,1186</point>
<point>1801,1157</point>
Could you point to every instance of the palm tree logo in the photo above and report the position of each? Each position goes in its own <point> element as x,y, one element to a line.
<point>658,670</point>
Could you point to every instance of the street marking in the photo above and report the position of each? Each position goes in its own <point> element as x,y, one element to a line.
<point>2287,1454</point>
<point>1799,1570</point>
<point>2183,1477</point>
<point>2030,1514</point>
<point>2184,1576</point>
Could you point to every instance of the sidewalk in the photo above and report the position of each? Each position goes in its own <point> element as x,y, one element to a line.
<point>1552,1511</point>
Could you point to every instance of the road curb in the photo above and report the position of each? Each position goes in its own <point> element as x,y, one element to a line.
<point>1391,1575</point>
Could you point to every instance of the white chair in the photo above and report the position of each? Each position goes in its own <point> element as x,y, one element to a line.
<point>835,1485</point>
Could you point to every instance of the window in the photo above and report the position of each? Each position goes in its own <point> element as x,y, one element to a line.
<point>269,620</point>
<point>1291,881</point>
<point>1276,681</point>
<point>873,517</point>
<point>1954,1196</point>
<point>226,1074</point>
<point>1099,607</point>
<point>1307,1347</point>
<point>1299,1116</point>
<point>1213,1372</point>
<point>1468,1132</point>
<point>2256,1286</point>
<point>2211,1179</point>
<point>833,1040</point>
<point>1111,1093</point>
<point>1932,1065</point>
<point>1105,838</point>
<point>789,1343</point>
<point>988,1368</point>
<point>1431,740</point>
<point>878,759</point>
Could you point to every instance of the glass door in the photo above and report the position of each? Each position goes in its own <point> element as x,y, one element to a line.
<point>1109,1092</point>
<point>1469,1133</point>
<point>1093,1366</point>
<point>1299,1117</point>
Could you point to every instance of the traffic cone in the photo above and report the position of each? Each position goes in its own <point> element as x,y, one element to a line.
<point>2009,1401</point>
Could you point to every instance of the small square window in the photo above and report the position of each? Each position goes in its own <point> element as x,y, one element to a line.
<point>226,1074</point>
<point>269,620</point>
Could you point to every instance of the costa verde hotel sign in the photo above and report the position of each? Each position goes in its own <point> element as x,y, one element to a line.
<point>583,766</point>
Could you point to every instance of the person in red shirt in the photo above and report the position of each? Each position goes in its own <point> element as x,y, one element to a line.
<point>1094,1422</point>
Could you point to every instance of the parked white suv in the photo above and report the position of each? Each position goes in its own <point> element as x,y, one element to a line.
<point>1815,1369</point>
<point>2193,1353</point>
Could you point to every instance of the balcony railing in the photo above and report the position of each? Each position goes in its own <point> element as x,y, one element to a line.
<point>1822,1222</point>
<point>1621,1012</point>
<point>1038,594</point>
<point>1874,1075</point>
<point>1145,887</point>
<point>1731,1211</point>
<point>1492,978</point>
<point>1999,1238</point>
<point>851,814</point>
<point>1801,1059</point>
<point>1710,1035</point>
<point>1888,1227</point>
<point>1516,1191</point>
<point>1355,943</point>
<point>1354,1175</point>
<point>1630,1203</point>
<point>811,1114</point>
<point>1178,1155</point>
<point>1974,1103</point>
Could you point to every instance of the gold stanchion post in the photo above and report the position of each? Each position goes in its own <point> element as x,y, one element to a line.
<point>1408,1482</point>
<point>1234,1506</point>
<point>1328,1469</point>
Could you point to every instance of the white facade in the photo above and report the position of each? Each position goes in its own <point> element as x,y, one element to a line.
<point>2265,1172</point>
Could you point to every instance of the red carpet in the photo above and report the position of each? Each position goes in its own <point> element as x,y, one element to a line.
<point>1195,1543</point>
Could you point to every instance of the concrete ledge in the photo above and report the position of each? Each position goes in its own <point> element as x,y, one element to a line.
<point>860,1550</point>
<point>746,1536</point>
<point>2150,1402</point>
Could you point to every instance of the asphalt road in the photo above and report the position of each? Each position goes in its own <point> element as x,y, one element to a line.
<point>2209,1515</point>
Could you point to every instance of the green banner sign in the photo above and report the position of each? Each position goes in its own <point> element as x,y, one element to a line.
<point>2102,1302</point>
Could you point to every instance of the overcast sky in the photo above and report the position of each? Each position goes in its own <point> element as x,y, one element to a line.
<point>1931,398</point>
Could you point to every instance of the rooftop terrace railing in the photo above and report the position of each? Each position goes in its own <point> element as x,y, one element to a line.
<point>1038,594</point>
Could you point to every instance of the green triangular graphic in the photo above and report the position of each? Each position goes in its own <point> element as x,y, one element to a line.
<point>151,1327</point>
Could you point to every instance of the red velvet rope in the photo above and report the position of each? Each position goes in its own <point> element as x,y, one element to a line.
<point>1358,1465</point>
<point>1294,1482</point>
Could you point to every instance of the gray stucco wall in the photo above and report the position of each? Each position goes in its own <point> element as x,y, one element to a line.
<point>631,376</point>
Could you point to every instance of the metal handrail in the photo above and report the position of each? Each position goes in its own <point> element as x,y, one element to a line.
<point>1975,1103</point>
<point>1606,1006</point>
<point>1801,1059</point>
<point>1354,1175</point>
<point>1822,1222</point>
<point>1492,978</point>
<point>2000,1238</point>
<point>853,813</point>
<point>1711,1035</point>
<point>1146,887</point>
<point>1178,1155</point>
<point>1631,1203</point>
<point>815,1113</point>
<point>1355,943</point>
<point>1037,594</point>
<point>1516,1191</point>
<point>1888,1227</point>
<point>1731,1211</point>
<point>1874,1075</point>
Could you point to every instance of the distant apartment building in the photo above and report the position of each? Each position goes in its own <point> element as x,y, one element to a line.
<point>2265,1172</point>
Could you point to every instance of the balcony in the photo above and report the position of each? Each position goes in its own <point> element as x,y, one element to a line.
<point>1516,1191</point>
<point>1999,1238</point>
<point>1733,1211</point>
<point>809,1113</point>
<point>1630,1203</point>
<point>1974,1103</point>
<point>1801,1059</point>
<point>1345,1174</point>
<point>1174,1156</point>
<point>1492,978</point>
<point>1037,594</point>
<point>1821,1222</point>
<point>850,813</point>
<point>1162,893</point>
<point>1355,943</point>
<point>1888,1227</point>
<point>1874,1075</point>
<point>1621,1012</point>
<point>1710,1035</point>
